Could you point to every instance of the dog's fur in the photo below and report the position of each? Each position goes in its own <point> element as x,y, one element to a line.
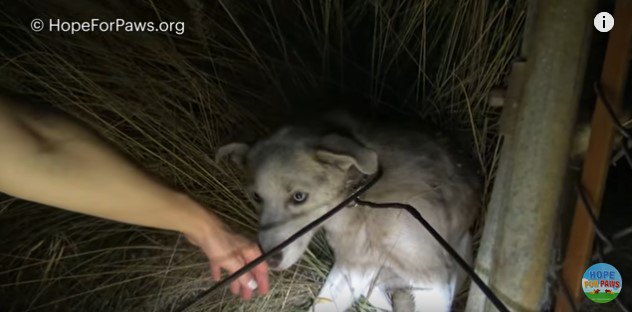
<point>385,255</point>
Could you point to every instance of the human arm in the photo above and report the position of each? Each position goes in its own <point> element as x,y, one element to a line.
<point>52,160</point>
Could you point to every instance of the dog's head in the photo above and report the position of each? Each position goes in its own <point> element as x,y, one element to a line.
<point>293,178</point>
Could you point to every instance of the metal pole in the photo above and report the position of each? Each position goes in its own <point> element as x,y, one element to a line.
<point>516,247</point>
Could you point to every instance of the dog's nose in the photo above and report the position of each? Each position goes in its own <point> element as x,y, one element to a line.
<point>275,260</point>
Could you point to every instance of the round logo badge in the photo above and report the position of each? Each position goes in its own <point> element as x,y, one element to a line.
<point>602,283</point>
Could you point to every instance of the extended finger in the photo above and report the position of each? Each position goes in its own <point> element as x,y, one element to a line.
<point>216,272</point>
<point>244,283</point>
<point>247,286</point>
<point>261,276</point>
<point>234,288</point>
<point>260,272</point>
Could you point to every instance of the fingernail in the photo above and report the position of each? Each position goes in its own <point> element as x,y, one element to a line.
<point>252,284</point>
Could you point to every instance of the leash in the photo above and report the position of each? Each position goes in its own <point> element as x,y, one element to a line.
<point>349,200</point>
<point>455,255</point>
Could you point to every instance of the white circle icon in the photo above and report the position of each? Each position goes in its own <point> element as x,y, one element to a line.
<point>604,22</point>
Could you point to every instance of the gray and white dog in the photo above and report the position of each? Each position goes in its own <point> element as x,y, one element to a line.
<point>301,172</point>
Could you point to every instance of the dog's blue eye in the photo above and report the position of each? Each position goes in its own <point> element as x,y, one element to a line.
<point>299,197</point>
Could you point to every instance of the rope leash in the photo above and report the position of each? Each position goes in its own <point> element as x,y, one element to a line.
<point>350,200</point>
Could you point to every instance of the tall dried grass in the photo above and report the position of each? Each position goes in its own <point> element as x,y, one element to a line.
<point>242,67</point>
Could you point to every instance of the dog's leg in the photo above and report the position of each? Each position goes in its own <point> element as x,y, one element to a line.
<point>464,248</point>
<point>379,299</point>
<point>342,288</point>
<point>433,298</point>
<point>438,296</point>
<point>403,300</point>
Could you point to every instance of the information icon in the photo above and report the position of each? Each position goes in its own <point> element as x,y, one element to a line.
<point>604,22</point>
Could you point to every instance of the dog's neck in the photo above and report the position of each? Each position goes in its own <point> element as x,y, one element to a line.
<point>342,222</point>
<point>349,239</point>
<point>346,220</point>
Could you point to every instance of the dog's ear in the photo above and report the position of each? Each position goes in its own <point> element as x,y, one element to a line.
<point>344,153</point>
<point>235,151</point>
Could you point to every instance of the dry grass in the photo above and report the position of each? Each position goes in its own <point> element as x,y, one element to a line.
<point>167,101</point>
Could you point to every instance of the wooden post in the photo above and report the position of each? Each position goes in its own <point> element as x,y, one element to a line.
<point>597,160</point>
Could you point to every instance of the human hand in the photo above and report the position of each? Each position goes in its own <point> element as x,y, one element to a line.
<point>230,252</point>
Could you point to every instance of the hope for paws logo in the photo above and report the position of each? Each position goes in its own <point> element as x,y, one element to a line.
<point>602,283</point>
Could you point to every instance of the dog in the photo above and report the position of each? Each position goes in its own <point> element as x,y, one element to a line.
<point>300,172</point>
